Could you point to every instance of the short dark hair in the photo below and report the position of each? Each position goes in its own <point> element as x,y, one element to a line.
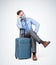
<point>18,12</point>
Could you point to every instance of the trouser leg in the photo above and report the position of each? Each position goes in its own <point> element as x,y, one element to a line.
<point>33,45</point>
<point>33,42</point>
<point>35,36</point>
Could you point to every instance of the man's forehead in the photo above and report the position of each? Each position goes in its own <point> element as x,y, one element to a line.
<point>22,12</point>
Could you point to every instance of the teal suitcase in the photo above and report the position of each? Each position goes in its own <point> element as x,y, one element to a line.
<point>22,48</point>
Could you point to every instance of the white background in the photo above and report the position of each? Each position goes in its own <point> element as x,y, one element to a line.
<point>43,11</point>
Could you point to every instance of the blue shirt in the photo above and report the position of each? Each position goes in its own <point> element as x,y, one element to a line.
<point>28,25</point>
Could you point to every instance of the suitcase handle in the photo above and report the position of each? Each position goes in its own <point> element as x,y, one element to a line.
<point>22,32</point>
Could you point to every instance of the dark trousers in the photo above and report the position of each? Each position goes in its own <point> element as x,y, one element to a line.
<point>34,38</point>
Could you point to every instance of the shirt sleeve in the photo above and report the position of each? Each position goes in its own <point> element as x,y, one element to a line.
<point>19,25</point>
<point>36,25</point>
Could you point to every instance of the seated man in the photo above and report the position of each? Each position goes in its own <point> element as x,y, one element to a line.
<point>26,23</point>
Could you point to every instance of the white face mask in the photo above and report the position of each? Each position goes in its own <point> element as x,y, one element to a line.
<point>23,16</point>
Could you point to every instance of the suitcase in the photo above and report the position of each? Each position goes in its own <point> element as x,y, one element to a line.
<point>23,48</point>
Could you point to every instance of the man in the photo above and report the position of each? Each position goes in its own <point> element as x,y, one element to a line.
<point>26,23</point>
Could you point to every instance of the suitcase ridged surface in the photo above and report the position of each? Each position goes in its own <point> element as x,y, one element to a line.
<point>23,48</point>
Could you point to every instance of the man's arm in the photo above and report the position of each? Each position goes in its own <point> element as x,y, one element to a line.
<point>36,25</point>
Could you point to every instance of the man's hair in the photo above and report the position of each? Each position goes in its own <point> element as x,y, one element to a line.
<point>18,12</point>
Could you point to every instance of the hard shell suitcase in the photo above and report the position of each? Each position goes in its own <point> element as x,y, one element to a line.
<point>23,48</point>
